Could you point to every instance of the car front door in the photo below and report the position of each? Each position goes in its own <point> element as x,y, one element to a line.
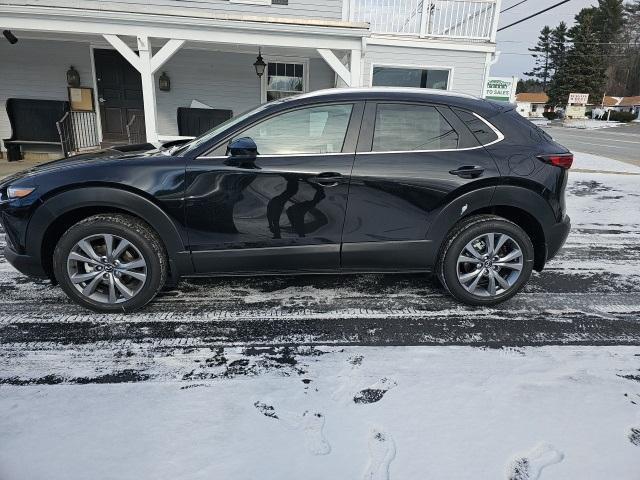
<point>412,159</point>
<point>280,208</point>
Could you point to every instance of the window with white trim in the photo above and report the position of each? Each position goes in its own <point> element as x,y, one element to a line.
<point>284,79</point>
<point>410,77</point>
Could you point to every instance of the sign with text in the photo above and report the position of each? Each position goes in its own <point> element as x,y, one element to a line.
<point>578,98</point>
<point>502,89</point>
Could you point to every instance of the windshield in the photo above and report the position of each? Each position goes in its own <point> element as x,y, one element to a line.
<point>205,137</point>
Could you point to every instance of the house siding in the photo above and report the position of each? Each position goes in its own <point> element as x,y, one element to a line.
<point>468,67</point>
<point>221,80</point>
<point>227,80</point>
<point>37,69</point>
<point>307,9</point>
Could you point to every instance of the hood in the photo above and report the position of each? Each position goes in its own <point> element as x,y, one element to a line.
<point>100,155</point>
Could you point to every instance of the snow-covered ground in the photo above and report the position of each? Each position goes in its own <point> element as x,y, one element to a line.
<point>589,124</point>
<point>297,379</point>
<point>341,413</point>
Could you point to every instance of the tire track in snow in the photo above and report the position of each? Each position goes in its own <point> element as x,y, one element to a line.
<point>589,295</point>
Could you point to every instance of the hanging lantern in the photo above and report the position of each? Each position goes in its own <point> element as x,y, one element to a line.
<point>164,82</point>
<point>73,77</point>
<point>259,65</point>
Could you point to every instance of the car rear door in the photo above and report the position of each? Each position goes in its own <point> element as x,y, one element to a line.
<point>283,210</point>
<point>412,160</point>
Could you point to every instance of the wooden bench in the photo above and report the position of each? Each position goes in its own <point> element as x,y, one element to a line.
<point>33,122</point>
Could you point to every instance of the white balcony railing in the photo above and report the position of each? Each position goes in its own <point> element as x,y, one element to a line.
<point>466,19</point>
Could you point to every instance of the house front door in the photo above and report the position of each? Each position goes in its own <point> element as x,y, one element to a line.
<point>120,97</point>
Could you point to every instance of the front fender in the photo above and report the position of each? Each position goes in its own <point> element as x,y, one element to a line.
<point>124,200</point>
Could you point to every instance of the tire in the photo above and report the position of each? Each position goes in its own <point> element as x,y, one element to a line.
<point>465,256</point>
<point>130,278</point>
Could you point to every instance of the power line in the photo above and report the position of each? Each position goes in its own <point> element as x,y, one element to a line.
<point>582,43</point>
<point>534,15</point>
<point>512,6</point>
<point>571,54</point>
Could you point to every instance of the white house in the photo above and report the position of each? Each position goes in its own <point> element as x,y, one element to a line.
<point>203,53</point>
<point>532,104</point>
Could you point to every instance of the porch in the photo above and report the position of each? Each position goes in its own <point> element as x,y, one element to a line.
<point>164,64</point>
<point>209,64</point>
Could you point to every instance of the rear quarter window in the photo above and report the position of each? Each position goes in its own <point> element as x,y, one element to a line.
<point>480,129</point>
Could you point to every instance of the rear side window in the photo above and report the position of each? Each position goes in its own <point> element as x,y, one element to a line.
<point>481,130</point>
<point>401,127</point>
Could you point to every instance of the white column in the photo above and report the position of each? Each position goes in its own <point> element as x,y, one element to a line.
<point>356,68</point>
<point>147,64</point>
<point>148,90</point>
<point>496,17</point>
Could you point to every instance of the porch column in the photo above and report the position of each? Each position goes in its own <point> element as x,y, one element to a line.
<point>356,68</point>
<point>147,64</point>
<point>148,90</point>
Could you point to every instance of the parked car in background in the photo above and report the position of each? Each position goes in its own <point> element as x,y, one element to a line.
<point>340,181</point>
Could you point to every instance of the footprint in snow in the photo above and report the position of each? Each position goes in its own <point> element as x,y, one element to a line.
<point>375,392</point>
<point>382,451</point>
<point>530,466</point>
<point>634,436</point>
<point>311,424</point>
<point>348,376</point>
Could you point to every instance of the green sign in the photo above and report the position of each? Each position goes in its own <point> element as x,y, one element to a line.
<point>502,89</point>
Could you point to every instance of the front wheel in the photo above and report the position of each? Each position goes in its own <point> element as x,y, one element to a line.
<point>110,263</point>
<point>485,260</point>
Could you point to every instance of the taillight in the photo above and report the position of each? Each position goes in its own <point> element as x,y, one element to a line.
<point>562,160</point>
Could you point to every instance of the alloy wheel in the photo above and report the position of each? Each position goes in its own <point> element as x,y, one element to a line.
<point>106,268</point>
<point>490,264</point>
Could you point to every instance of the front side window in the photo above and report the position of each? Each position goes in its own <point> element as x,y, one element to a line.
<point>410,77</point>
<point>284,80</point>
<point>320,129</point>
<point>401,127</point>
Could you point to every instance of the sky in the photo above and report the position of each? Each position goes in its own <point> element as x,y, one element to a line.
<point>513,42</point>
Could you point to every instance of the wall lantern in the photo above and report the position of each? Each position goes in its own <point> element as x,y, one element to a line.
<point>73,77</point>
<point>164,82</point>
<point>260,65</point>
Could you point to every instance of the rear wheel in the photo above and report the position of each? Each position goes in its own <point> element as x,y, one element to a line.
<point>110,263</point>
<point>485,260</point>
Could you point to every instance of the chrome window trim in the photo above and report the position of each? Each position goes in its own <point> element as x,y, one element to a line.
<point>275,155</point>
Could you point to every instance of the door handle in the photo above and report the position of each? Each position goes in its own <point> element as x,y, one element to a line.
<point>468,171</point>
<point>326,179</point>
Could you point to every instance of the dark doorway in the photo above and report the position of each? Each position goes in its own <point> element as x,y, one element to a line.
<point>120,97</point>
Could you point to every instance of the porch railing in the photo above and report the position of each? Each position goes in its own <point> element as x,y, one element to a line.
<point>465,19</point>
<point>135,130</point>
<point>78,131</point>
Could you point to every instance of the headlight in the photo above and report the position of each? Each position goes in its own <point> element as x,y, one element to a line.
<point>19,192</point>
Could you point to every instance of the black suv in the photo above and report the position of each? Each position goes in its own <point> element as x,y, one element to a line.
<point>343,180</point>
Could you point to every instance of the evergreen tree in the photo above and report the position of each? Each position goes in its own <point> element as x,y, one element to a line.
<point>542,52</point>
<point>609,18</point>
<point>558,46</point>
<point>584,68</point>
<point>530,85</point>
<point>630,72</point>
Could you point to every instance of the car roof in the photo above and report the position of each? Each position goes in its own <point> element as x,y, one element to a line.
<point>400,94</point>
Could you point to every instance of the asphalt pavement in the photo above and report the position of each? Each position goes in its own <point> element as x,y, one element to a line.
<point>588,295</point>
<point>619,143</point>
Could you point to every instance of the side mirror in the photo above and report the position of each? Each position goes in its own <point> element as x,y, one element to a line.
<point>243,147</point>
